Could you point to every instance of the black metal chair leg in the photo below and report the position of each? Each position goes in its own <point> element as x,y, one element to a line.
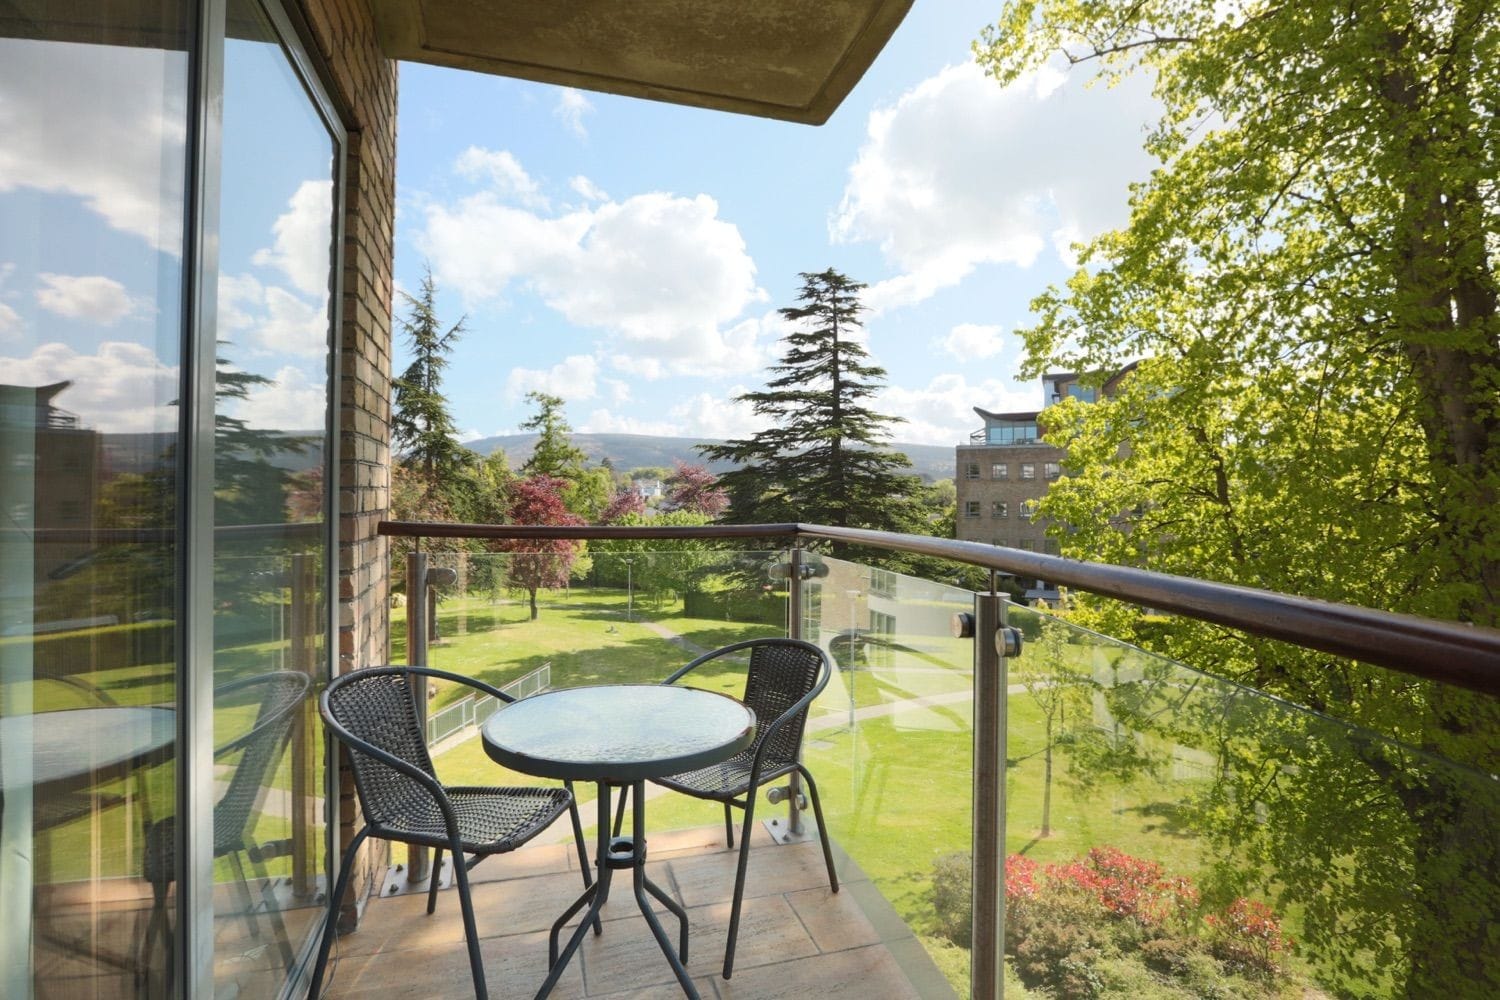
<point>471,930</point>
<point>435,879</point>
<point>268,896</point>
<point>739,882</point>
<point>729,825</point>
<point>330,926</point>
<point>812,792</point>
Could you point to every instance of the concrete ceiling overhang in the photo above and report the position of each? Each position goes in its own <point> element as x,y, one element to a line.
<point>794,60</point>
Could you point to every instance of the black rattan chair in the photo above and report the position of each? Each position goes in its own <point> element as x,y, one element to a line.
<point>372,712</point>
<point>278,695</point>
<point>783,678</point>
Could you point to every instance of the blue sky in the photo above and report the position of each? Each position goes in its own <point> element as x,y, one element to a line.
<point>626,255</point>
<point>630,256</point>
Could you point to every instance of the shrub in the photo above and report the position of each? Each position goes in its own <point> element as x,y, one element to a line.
<point>1247,938</point>
<point>952,899</point>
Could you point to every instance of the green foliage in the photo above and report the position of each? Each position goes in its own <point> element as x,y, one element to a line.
<point>422,432</point>
<point>554,454</point>
<point>1309,284</point>
<point>821,459</point>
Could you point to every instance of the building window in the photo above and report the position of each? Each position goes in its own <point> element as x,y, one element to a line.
<point>999,508</point>
<point>1052,470</point>
<point>1012,433</point>
<point>1051,547</point>
<point>1028,510</point>
<point>1028,470</point>
<point>1026,545</point>
<point>971,470</point>
<point>971,508</point>
<point>1000,470</point>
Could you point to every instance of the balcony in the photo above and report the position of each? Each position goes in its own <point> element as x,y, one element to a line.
<point>1164,830</point>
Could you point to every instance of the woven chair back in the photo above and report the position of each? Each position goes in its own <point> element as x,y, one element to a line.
<point>279,694</point>
<point>376,706</point>
<point>779,675</point>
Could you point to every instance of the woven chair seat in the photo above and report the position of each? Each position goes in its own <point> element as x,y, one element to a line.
<point>728,779</point>
<point>490,820</point>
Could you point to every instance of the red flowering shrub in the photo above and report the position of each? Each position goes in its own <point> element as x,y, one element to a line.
<point>1127,887</point>
<point>1247,937</point>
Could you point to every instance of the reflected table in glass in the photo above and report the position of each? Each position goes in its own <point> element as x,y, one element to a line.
<point>618,736</point>
<point>52,755</point>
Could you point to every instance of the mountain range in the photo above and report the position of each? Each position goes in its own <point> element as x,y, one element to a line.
<point>634,451</point>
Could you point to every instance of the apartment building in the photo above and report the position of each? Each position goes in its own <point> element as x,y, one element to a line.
<point>1007,466</point>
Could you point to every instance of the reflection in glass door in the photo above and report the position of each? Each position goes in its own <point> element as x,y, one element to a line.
<point>94,115</point>
<point>277,202</point>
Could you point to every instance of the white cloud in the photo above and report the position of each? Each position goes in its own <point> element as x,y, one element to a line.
<point>269,319</point>
<point>574,379</point>
<point>292,401</point>
<point>572,105</point>
<point>471,434</point>
<point>117,147</point>
<point>123,387</point>
<point>91,297</point>
<point>10,323</point>
<point>942,411</point>
<point>587,189</point>
<point>702,415</point>
<point>660,272</point>
<point>304,238</point>
<point>503,172</point>
<point>961,172</point>
<point>967,341</point>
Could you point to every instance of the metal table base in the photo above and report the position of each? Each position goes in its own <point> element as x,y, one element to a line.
<point>618,853</point>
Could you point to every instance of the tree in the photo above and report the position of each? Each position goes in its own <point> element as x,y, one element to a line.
<point>541,562</point>
<point>1309,282</point>
<point>422,432</point>
<point>820,457</point>
<point>694,489</point>
<point>554,454</point>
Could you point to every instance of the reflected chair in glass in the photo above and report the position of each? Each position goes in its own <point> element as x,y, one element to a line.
<point>277,695</point>
<point>783,678</point>
<point>373,713</point>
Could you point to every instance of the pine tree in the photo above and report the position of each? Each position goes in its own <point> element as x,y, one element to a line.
<point>554,454</point>
<point>421,429</point>
<point>820,458</point>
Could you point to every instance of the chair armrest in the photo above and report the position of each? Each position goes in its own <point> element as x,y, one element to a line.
<point>473,682</point>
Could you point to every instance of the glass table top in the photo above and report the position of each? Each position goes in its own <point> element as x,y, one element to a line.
<point>618,732</point>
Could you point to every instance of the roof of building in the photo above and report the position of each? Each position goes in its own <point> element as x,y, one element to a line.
<point>794,62</point>
<point>1021,416</point>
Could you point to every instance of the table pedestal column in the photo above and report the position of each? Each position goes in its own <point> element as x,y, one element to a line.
<point>618,853</point>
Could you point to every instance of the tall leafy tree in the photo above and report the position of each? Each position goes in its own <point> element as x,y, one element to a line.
<point>1311,280</point>
<point>422,431</point>
<point>821,457</point>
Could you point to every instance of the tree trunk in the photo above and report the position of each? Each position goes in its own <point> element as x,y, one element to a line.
<point>532,592</point>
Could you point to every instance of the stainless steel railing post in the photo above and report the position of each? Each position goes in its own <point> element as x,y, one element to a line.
<point>418,860</point>
<point>794,631</point>
<point>993,642</point>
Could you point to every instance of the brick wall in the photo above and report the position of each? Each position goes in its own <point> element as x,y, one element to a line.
<point>1014,530</point>
<point>362,83</point>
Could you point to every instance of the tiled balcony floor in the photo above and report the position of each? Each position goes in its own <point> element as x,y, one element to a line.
<point>797,939</point>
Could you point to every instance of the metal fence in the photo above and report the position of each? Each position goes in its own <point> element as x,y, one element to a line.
<point>472,710</point>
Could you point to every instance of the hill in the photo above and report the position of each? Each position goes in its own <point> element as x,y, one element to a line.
<point>634,451</point>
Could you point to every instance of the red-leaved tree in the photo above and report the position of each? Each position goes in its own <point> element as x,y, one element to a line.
<point>540,562</point>
<point>694,489</point>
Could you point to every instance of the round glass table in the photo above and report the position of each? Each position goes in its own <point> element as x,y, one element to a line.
<point>618,735</point>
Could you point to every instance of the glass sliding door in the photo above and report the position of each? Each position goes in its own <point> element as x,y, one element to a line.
<point>277,197</point>
<point>167,302</point>
<point>94,113</point>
